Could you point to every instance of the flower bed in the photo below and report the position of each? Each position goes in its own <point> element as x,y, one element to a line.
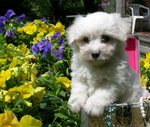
<point>34,73</point>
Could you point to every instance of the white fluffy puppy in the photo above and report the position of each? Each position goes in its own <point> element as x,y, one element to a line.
<point>100,71</point>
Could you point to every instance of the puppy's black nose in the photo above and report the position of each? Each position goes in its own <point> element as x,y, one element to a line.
<point>95,55</point>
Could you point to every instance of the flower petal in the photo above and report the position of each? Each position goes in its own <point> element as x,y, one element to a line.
<point>10,13</point>
<point>29,121</point>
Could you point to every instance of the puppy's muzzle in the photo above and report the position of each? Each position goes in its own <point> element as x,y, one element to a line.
<point>95,55</point>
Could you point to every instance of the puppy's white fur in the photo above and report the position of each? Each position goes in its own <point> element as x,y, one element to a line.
<point>100,71</point>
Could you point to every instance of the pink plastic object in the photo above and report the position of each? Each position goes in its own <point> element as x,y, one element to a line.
<point>132,50</point>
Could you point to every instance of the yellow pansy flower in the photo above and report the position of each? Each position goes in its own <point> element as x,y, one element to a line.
<point>52,30</point>
<point>8,99</point>
<point>15,61</point>
<point>60,28</point>
<point>8,119</point>
<point>42,30</point>
<point>26,90</point>
<point>39,93</point>
<point>29,121</point>
<point>146,63</point>
<point>56,28</point>
<point>38,37</point>
<point>10,96</point>
<point>2,82</point>
<point>30,28</point>
<point>148,55</point>
<point>34,72</point>
<point>4,76</point>
<point>2,93</point>
<point>65,81</point>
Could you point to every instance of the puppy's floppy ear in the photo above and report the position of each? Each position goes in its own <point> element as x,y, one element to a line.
<point>72,30</point>
<point>122,27</point>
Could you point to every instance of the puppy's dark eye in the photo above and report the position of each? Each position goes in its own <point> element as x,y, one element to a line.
<point>85,39</point>
<point>105,38</point>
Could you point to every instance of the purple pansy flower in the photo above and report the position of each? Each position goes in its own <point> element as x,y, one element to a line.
<point>20,17</point>
<point>9,33</point>
<point>35,49</point>
<point>1,27</point>
<point>3,19</point>
<point>1,30</point>
<point>10,13</point>
<point>41,45</point>
<point>61,41</point>
<point>59,52</point>
<point>45,20</point>
<point>47,49</point>
<point>44,46</point>
<point>58,34</point>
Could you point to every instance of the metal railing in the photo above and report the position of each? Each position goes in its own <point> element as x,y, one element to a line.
<point>119,115</point>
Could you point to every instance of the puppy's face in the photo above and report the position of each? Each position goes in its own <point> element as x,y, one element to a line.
<point>97,48</point>
<point>97,36</point>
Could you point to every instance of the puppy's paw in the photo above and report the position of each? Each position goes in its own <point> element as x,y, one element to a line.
<point>76,103</point>
<point>93,108</point>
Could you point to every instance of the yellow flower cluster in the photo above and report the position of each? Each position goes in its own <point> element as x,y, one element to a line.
<point>145,67</point>
<point>21,68</point>
<point>146,61</point>
<point>65,81</point>
<point>41,30</point>
<point>8,119</point>
<point>30,28</point>
<point>56,28</point>
<point>24,91</point>
<point>20,65</point>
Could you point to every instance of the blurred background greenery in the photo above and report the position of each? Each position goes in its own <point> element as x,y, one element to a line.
<point>52,9</point>
<point>56,9</point>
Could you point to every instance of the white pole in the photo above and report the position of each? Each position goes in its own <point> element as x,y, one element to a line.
<point>120,7</point>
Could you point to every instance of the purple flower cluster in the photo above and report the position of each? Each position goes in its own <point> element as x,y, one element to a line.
<point>59,52</point>
<point>45,20</point>
<point>58,36</point>
<point>43,46</point>
<point>20,18</point>
<point>46,47</point>
<point>6,18</point>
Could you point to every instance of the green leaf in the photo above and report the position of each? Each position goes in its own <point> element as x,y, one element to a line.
<point>2,39</point>
<point>63,94</point>
<point>43,105</point>
<point>60,115</point>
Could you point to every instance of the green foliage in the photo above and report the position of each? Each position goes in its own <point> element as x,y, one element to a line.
<point>39,8</point>
<point>72,6</point>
